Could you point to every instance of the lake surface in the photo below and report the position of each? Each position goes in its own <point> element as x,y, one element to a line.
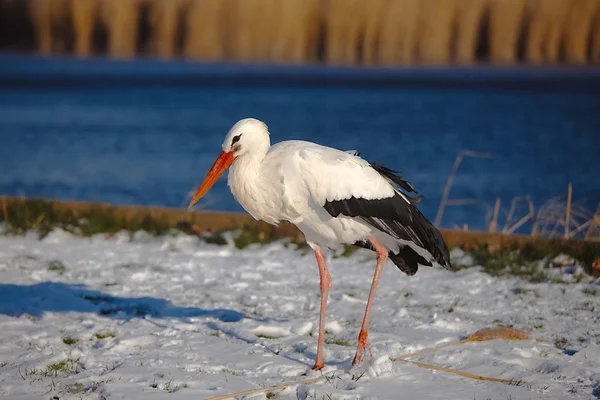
<point>146,132</point>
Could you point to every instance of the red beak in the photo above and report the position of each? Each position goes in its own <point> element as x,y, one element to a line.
<point>222,162</point>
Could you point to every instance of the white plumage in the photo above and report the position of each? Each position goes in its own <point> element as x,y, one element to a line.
<point>334,197</point>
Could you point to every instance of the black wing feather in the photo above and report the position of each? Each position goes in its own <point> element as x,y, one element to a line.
<point>399,218</point>
<point>395,177</point>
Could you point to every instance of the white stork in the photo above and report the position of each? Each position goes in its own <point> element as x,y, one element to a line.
<point>334,197</point>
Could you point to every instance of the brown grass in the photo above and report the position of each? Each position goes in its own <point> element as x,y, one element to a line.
<point>83,15</point>
<point>48,16</point>
<point>165,22</point>
<point>435,31</point>
<point>482,335</point>
<point>22,214</point>
<point>469,16</point>
<point>399,33</point>
<point>546,28</point>
<point>204,31</point>
<point>344,26</point>
<point>505,23</point>
<point>578,27</point>
<point>121,19</point>
<point>595,39</point>
<point>340,32</point>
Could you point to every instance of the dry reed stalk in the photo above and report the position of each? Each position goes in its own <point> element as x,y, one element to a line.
<point>291,31</point>
<point>482,335</point>
<point>205,23</point>
<point>593,228</point>
<point>121,19</point>
<point>83,14</point>
<point>390,38</point>
<point>38,221</point>
<point>479,336</point>
<point>595,39</point>
<point>460,373</point>
<point>508,228</point>
<point>239,37</point>
<point>435,31</point>
<point>372,30</point>
<point>263,390</point>
<point>399,33</point>
<point>546,29</point>
<point>568,210</point>
<point>4,209</point>
<point>578,30</point>
<point>299,29</point>
<point>256,26</point>
<point>46,16</point>
<point>469,18</point>
<point>457,161</point>
<point>486,334</point>
<point>344,23</point>
<point>165,21</point>
<point>40,11</point>
<point>262,28</point>
<point>552,216</point>
<point>494,222</point>
<point>503,333</point>
<point>273,32</point>
<point>505,23</point>
<point>589,224</point>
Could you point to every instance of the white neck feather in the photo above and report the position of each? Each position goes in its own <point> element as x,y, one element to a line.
<point>249,186</point>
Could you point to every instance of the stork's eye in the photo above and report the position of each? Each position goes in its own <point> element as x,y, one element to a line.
<point>236,139</point>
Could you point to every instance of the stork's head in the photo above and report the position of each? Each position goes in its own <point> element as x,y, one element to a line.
<point>249,137</point>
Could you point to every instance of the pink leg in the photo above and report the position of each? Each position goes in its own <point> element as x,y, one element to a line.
<point>382,255</point>
<point>325,284</point>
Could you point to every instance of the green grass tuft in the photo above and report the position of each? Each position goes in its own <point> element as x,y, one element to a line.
<point>347,251</point>
<point>57,266</point>
<point>591,291</point>
<point>69,341</point>
<point>248,236</point>
<point>66,367</point>
<point>230,371</point>
<point>105,334</point>
<point>529,260</point>
<point>263,336</point>
<point>41,216</point>
<point>561,343</point>
<point>339,342</point>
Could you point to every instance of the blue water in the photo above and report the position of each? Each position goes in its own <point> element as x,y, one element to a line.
<point>146,132</point>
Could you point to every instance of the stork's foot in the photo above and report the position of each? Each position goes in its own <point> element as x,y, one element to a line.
<point>318,366</point>
<point>362,344</point>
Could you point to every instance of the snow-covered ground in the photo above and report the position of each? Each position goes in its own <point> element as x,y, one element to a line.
<point>175,317</point>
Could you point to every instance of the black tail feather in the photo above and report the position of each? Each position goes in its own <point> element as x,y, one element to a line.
<point>407,260</point>
<point>395,177</point>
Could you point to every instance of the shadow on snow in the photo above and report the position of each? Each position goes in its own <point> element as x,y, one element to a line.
<point>35,300</point>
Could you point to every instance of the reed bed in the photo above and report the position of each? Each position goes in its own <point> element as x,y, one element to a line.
<point>558,217</point>
<point>346,32</point>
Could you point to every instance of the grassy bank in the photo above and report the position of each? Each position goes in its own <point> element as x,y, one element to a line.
<point>497,253</point>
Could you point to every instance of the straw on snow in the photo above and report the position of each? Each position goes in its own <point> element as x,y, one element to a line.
<point>500,333</point>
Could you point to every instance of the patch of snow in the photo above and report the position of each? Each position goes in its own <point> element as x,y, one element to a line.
<point>460,258</point>
<point>141,317</point>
